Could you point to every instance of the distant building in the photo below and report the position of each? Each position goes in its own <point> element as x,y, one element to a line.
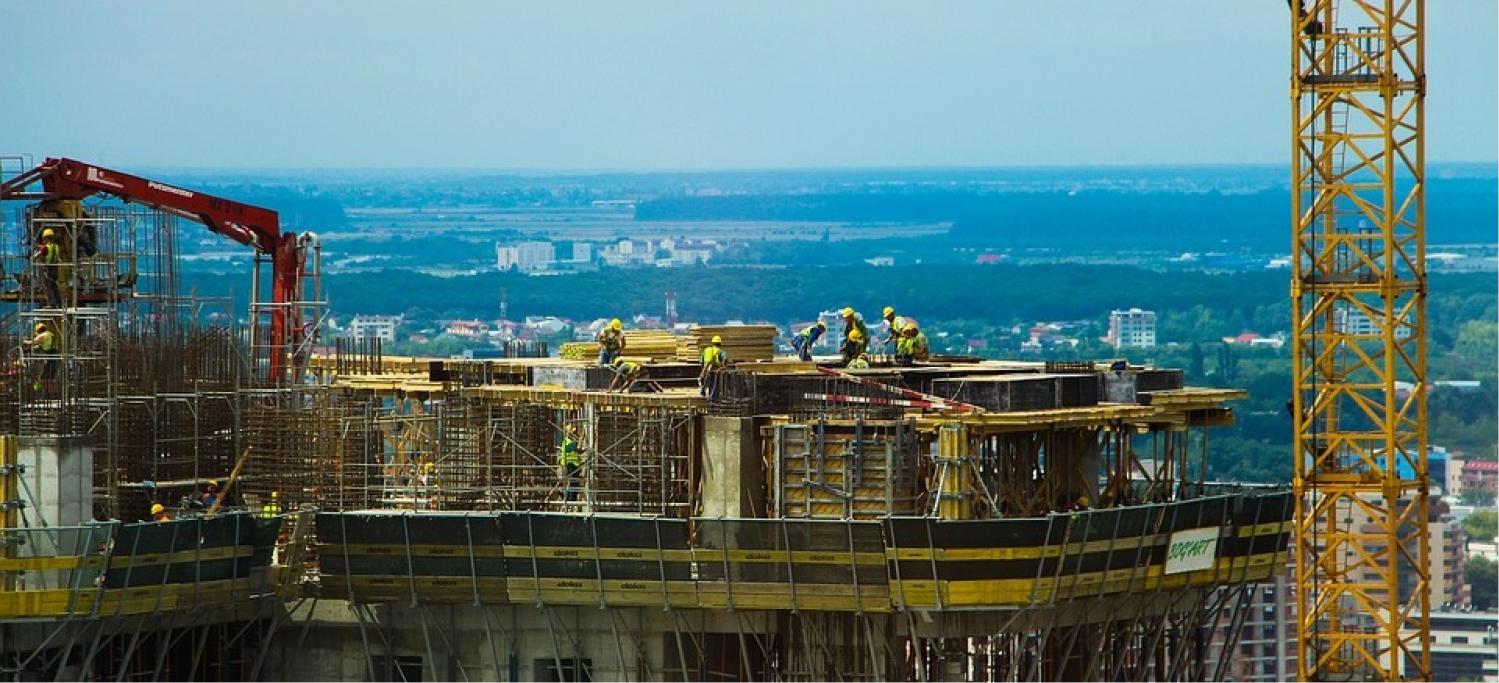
<point>1479,475</point>
<point>881,261</point>
<point>467,328</point>
<point>1464,646</point>
<point>1133,329</point>
<point>382,327</point>
<point>526,257</point>
<point>583,252</point>
<point>1266,650</point>
<point>1355,322</point>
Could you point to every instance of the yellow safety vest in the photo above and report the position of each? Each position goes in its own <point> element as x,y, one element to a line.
<point>567,453</point>
<point>715,355</point>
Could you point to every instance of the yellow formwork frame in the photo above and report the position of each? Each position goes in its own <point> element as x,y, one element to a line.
<point>1359,360</point>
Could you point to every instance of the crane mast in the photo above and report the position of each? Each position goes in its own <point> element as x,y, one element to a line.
<point>1358,290</point>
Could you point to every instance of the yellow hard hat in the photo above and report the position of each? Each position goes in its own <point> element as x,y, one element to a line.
<point>1083,500</point>
<point>717,339</point>
<point>158,508</point>
<point>48,233</point>
<point>39,327</point>
<point>822,325</point>
<point>864,357</point>
<point>910,327</point>
<point>616,324</point>
<point>848,312</point>
<point>856,335</point>
<point>213,482</point>
<point>275,495</point>
<point>619,362</point>
<point>889,311</point>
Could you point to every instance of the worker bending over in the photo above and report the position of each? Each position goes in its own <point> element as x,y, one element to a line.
<point>860,363</point>
<point>913,345</point>
<point>714,361</point>
<point>804,340</point>
<point>626,372</point>
<point>855,335</point>
<point>570,464</point>
<point>611,342</point>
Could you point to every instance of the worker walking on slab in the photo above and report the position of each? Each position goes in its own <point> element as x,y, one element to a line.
<point>47,257</point>
<point>570,464</point>
<point>626,373</point>
<point>912,346</point>
<point>715,359</point>
<point>804,340</point>
<point>611,342</point>
<point>855,335</point>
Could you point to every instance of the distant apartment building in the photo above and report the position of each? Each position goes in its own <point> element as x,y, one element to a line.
<point>583,252</point>
<point>1355,322</point>
<point>1266,647</point>
<point>1134,329</point>
<point>469,329</point>
<point>527,257</point>
<point>1479,475</point>
<point>1446,561</point>
<point>382,327</point>
<point>1464,646</point>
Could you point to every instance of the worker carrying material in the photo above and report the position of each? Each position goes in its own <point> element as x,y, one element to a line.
<point>890,330</point>
<point>570,464</point>
<point>804,339</point>
<point>626,372</point>
<point>855,335</point>
<point>272,508</point>
<point>47,257</point>
<point>715,359</point>
<point>611,341</point>
<point>912,346</point>
<point>159,513</point>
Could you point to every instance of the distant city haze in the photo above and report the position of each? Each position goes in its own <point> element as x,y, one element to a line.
<point>688,85</point>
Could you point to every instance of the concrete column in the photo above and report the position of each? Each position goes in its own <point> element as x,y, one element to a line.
<point>59,479</point>
<point>733,479</point>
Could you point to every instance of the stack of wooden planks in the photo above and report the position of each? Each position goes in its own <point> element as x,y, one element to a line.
<point>579,351</point>
<point>742,342</point>
<point>639,344</point>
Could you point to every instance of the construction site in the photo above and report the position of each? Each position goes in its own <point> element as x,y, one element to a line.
<point>399,518</point>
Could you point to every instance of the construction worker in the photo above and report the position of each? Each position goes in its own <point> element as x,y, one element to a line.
<point>891,329</point>
<point>611,342</point>
<point>43,342</point>
<point>804,340</point>
<point>626,372</point>
<point>570,463</point>
<point>47,257</point>
<point>714,361</point>
<point>272,508</point>
<point>210,494</point>
<point>159,513</point>
<point>912,346</point>
<point>855,335</point>
<point>860,363</point>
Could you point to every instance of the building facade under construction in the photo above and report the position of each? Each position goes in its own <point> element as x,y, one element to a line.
<point>392,518</point>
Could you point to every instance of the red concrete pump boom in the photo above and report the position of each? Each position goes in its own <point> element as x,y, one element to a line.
<point>253,226</point>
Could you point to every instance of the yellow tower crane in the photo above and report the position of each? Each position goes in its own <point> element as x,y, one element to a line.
<point>1359,360</point>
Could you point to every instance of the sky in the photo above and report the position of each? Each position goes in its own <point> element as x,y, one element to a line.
<point>728,84</point>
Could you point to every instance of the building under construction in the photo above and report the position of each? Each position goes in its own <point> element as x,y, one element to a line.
<point>393,518</point>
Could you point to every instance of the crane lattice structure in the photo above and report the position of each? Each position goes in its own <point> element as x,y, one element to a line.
<point>1359,290</point>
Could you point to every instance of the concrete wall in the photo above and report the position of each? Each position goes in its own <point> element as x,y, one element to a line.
<point>59,479</point>
<point>733,480</point>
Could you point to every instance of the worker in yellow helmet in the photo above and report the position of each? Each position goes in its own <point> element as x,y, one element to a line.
<point>860,363</point>
<point>43,343</point>
<point>47,257</point>
<point>570,463</point>
<point>210,493</point>
<point>715,359</point>
<point>272,508</point>
<point>853,344</point>
<point>805,339</point>
<point>159,513</point>
<point>890,330</point>
<point>626,373</point>
<point>912,346</point>
<point>611,342</point>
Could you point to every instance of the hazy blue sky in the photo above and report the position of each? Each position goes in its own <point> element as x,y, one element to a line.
<point>687,85</point>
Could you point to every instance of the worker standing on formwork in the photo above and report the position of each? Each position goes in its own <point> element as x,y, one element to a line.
<point>43,341</point>
<point>611,342</point>
<point>855,335</point>
<point>714,361</point>
<point>570,464</point>
<point>47,257</point>
<point>626,372</point>
<point>804,340</point>
<point>890,331</point>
